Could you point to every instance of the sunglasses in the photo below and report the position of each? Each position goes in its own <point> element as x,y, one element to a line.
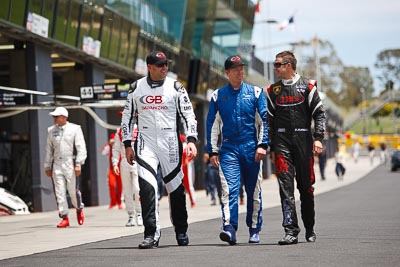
<point>162,65</point>
<point>278,64</point>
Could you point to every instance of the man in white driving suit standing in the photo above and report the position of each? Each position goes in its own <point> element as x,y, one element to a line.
<point>63,166</point>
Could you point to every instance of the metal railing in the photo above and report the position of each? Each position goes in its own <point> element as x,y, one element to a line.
<point>389,96</point>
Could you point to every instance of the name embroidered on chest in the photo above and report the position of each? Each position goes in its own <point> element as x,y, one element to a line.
<point>246,96</point>
<point>289,100</point>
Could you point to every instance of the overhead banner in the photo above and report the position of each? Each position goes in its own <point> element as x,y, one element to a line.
<point>104,92</point>
<point>37,24</point>
<point>91,47</point>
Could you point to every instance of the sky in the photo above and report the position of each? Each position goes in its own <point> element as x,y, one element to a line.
<point>358,29</point>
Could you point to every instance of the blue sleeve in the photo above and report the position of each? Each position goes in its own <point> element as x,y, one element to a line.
<point>262,110</point>
<point>211,116</point>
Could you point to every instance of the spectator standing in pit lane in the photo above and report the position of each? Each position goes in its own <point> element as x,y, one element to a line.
<point>63,165</point>
<point>130,180</point>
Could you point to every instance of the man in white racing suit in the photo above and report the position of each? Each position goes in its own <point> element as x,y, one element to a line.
<point>63,166</point>
<point>130,183</point>
<point>158,104</point>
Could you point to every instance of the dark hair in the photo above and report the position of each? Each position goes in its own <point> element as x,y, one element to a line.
<point>288,56</point>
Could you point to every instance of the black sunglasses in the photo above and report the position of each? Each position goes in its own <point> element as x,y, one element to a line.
<point>162,65</point>
<point>278,64</point>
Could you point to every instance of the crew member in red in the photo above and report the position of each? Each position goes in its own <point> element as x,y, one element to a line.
<point>114,180</point>
<point>188,172</point>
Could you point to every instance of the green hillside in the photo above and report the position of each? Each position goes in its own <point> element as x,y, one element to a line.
<point>380,125</point>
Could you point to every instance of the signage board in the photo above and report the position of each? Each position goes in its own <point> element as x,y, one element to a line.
<point>104,92</point>
<point>12,99</point>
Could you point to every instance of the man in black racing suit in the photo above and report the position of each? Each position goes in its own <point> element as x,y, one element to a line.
<point>293,102</point>
<point>158,104</point>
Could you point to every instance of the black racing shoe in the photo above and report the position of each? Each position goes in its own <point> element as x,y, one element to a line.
<point>289,239</point>
<point>311,236</point>
<point>148,242</point>
<point>182,239</point>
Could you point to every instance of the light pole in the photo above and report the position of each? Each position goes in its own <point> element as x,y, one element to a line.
<point>268,71</point>
<point>389,86</point>
<point>315,43</point>
<point>393,114</point>
<point>363,111</point>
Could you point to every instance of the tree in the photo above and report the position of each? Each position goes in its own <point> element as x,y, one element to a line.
<point>318,59</point>
<point>353,79</point>
<point>334,96</point>
<point>388,64</point>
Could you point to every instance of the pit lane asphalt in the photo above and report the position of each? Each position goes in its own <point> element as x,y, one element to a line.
<point>358,224</point>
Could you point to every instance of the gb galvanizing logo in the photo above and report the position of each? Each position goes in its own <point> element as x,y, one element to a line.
<point>152,102</point>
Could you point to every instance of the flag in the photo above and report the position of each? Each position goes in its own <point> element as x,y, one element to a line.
<point>285,23</point>
<point>257,9</point>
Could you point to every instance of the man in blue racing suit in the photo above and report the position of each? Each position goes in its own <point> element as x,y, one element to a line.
<point>238,112</point>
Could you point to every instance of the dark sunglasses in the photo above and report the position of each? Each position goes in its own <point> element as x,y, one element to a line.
<point>278,64</point>
<point>162,65</point>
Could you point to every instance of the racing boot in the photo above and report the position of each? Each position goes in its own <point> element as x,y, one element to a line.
<point>182,239</point>
<point>80,216</point>
<point>64,222</point>
<point>139,219</point>
<point>311,236</point>
<point>228,234</point>
<point>148,242</point>
<point>254,236</point>
<point>131,221</point>
<point>288,239</point>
